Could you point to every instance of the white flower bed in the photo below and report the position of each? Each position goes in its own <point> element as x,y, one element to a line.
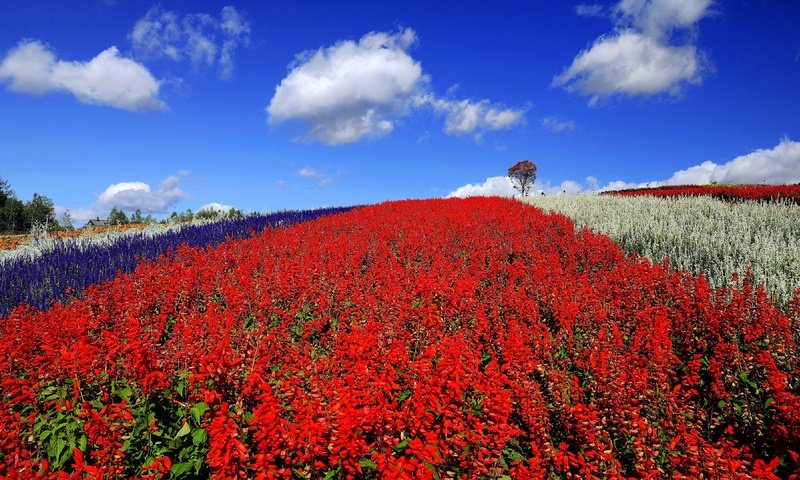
<point>698,234</point>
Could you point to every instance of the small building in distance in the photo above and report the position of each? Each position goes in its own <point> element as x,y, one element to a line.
<point>96,222</point>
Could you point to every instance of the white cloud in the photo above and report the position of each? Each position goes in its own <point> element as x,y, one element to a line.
<point>463,117</point>
<point>350,90</point>
<point>356,90</point>
<point>236,31</point>
<point>590,10</point>
<point>631,63</point>
<point>493,186</point>
<point>200,38</point>
<point>777,165</point>
<point>129,196</point>
<point>107,79</point>
<point>502,186</point>
<point>571,187</point>
<point>696,175</point>
<point>308,172</point>
<point>322,179</point>
<point>500,119</point>
<point>658,17</point>
<point>640,58</point>
<point>619,185</point>
<point>216,207</point>
<point>780,164</point>
<point>556,125</point>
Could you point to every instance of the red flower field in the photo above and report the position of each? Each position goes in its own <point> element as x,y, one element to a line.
<point>769,193</point>
<point>474,338</point>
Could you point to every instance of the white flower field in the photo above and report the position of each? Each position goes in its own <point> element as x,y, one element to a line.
<point>698,234</point>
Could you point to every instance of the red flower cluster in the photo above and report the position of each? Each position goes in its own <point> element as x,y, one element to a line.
<point>769,193</point>
<point>468,338</point>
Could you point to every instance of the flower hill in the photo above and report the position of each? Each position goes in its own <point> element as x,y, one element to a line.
<point>418,339</point>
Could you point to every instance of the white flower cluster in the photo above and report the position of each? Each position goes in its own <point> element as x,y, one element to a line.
<point>698,234</point>
<point>45,242</point>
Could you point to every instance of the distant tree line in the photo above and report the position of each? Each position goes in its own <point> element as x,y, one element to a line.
<point>17,216</point>
<point>205,214</point>
<point>119,217</point>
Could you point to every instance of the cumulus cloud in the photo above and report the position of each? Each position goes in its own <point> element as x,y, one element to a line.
<point>641,57</point>
<point>107,79</point>
<point>696,175</point>
<point>357,90</point>
<point>463,117</point>
<point>777,165</point>
<point>504,187</point>
<point>657,18</point>
<point>633,64</point>
<point>621,185</point>
<point>130,196</point>
<point>557,125</point>
<point>351,90</point>
<point>199,38</point>
<point>492,187</point>
<point>216,207</point>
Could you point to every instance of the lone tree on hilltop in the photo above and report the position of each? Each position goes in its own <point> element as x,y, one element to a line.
<point>522,175</point>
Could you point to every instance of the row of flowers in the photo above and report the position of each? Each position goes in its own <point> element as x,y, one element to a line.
<point>56,268</point>
<point>769,193</point>
<point>476,338</point>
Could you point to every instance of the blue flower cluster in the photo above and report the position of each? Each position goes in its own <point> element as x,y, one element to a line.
<point>71,266</point>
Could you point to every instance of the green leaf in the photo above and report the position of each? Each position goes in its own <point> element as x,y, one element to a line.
<point>486,357</point>
<point>404,395</point>
<point>57,450</point>
<point>769,402</point>
<point>400,447</point>
<point>181,468</point>
<point>722,404</point>
<point>743,376</point>
<point>125,393</point>
<point>197,411</point>
<point>199,436</point>
<point>331,474</point>
<point>185,429</point>
<point>368,463</point>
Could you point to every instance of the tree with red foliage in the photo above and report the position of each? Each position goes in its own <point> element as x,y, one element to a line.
<point>522,175</point>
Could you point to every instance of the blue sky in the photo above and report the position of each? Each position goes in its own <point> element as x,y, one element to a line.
<point>276,105</point>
